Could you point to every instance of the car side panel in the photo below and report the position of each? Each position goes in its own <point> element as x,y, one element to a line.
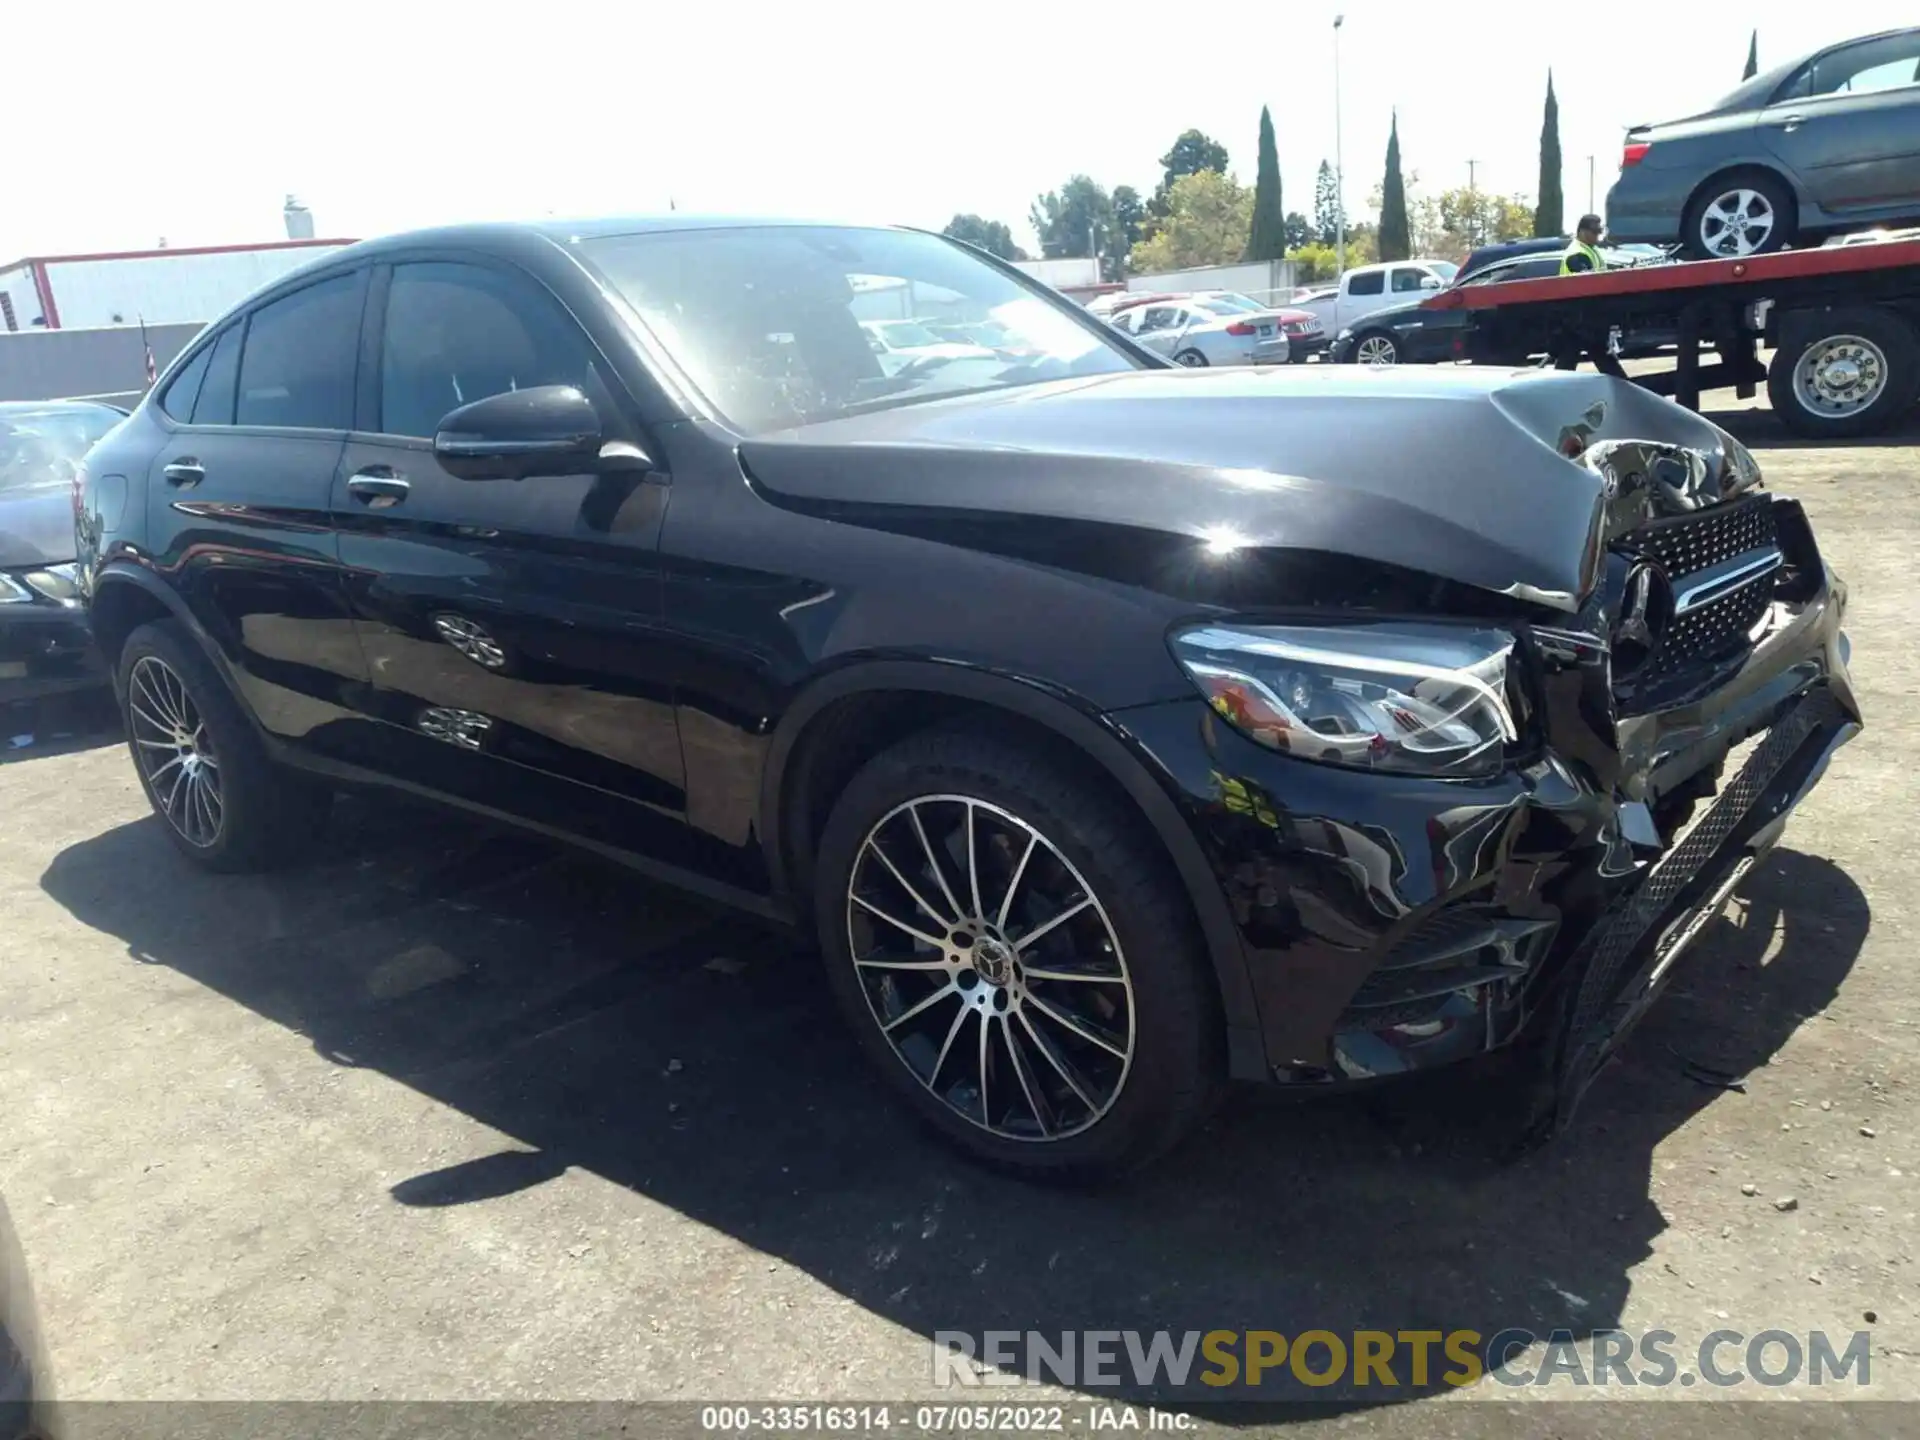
<point>1854,153</point>
<point>760,600</point>
<point>251,553</point>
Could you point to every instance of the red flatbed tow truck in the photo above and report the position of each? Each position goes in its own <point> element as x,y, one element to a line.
<point>1843,322</point>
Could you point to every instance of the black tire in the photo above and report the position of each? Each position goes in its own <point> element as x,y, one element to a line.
<point>1176,1065</point>
<point>1779,197</point>
<point>266,814</point>
<point>1871,341</point>
<point>1191,358</point>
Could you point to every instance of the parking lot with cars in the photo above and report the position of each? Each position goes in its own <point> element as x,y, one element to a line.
<point>450,1112</point>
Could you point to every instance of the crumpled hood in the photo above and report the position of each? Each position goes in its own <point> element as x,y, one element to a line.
<point>36,526</point>
<point>1450,472</point>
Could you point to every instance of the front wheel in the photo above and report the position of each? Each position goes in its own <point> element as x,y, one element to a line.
<point>1016,958</point>
<point>1191,358</point>
<point>1376,348</point>
<point>1844,372</point>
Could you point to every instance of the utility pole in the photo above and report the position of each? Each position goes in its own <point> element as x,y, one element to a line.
<point>1339,169</point>
<point>1590,209</point>
<point>1473,203</point>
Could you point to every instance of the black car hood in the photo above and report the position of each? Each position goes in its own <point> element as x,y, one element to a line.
<point>36,526</point>
<point>1457,474</point>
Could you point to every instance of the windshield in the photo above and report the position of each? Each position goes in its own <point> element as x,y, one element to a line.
<point>44,447</point>
<point>1445,269</point>
<point>767,320</point>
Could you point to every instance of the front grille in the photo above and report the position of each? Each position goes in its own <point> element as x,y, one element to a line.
<point>1686,545</point>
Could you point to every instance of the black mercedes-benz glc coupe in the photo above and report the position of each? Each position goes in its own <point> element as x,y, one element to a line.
<point>1120,729</point>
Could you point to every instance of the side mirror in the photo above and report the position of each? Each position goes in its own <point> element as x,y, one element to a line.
<point>1430,282</point>
<point>548,430</point>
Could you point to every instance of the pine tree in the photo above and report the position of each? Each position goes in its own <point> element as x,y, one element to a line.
<point>1326,205</point>
<point>1549,216</point>
<point>1267,240</point>
<point>1395,243</point>
<point>1753,57</point>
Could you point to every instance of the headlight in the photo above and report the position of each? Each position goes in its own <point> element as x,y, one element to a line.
<point>13,591</point>
<point>1408,698</point>
<point>58,583</point>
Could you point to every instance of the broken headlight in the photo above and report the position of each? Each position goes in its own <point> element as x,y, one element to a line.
<point>1406,698</point>
<point>58,583</point>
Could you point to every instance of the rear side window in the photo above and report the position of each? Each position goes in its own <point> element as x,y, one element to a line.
<point>1373,282</point>
<point>298,366</point>
<point>214,405</point>
<point>185,387</point>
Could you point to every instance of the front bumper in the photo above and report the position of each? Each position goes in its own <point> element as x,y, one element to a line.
<point>1391,924</point>
<point>46,649</point>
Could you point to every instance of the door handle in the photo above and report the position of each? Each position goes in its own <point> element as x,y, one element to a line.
<point>184,471</point>
<point>377,487</point>
<point>1791,122</point>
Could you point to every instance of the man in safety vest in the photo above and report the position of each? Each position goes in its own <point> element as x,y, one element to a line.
<point>1582,257</point>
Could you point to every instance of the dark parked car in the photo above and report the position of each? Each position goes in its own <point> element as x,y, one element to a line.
<point>1409,334</point>
<point>25,1405</point>
<point>1117,728</point>
<point>44,647</point>
<point>1829,142</point>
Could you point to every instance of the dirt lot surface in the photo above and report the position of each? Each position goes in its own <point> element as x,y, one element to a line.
<point>451,1114</point>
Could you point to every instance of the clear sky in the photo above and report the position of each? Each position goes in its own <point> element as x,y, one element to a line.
<point>193,119</point>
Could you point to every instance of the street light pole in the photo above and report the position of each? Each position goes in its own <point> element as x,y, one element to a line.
<point>1590,209</point>
<point>1339,169</point>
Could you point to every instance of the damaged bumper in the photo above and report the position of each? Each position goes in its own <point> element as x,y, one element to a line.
<point>1390,924</point>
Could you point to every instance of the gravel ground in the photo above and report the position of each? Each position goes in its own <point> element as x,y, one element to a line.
<point>449,1114</point>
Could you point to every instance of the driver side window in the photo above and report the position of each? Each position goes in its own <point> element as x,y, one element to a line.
<point>456,333</point>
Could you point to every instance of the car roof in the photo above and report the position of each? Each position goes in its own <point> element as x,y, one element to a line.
<point>565,232</point>
<point>41,407</point>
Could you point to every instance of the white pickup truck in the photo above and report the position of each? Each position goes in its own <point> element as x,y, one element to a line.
<point>1367,288</point>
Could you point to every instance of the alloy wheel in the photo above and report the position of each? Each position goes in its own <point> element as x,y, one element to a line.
<point>1737,223</point>
<point>471,640</point>
<point>1840,376</point>
<point>1193,359</point>
<point>991,967</point>
<point>175,753</point>
<point>1376,350</point>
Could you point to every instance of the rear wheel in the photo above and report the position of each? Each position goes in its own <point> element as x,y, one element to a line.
<point>1018,961</point>
<point>1190,357</point>
<point>1747,213</point>
<point>1844,372</point>
<point>224,804</point>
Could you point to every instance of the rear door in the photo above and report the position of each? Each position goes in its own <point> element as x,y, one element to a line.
<point>1361,293</point>
<point>510,626</point>
<point>254,425</point>
<point>1848,123</point>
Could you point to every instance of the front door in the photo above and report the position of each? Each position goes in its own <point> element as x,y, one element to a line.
<point>1849,125</point>
<point>510,626</point>
<point>255,424</point>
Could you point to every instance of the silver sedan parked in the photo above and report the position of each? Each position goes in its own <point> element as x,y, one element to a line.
<point>1191,334</point>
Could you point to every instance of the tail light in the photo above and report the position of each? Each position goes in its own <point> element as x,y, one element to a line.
<point>1242,327</point>
<point>1635,152</point>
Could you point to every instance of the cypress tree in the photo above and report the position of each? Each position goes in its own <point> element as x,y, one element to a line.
<point>1549,215</point>
<point>1395,242</point>
<point>1267,240</point>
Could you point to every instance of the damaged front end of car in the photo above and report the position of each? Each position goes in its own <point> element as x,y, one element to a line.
<point>1519,823</point>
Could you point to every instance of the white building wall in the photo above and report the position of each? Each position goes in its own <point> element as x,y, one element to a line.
<point>166,289</point>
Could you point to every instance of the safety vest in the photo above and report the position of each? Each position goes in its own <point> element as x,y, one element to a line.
<point>1594,263</point>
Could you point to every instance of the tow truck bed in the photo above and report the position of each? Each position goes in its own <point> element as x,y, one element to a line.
<point>1844,322</point>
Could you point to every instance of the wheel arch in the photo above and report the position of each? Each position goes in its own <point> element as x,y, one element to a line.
<point>844,718</point>
<point>124,598</point>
